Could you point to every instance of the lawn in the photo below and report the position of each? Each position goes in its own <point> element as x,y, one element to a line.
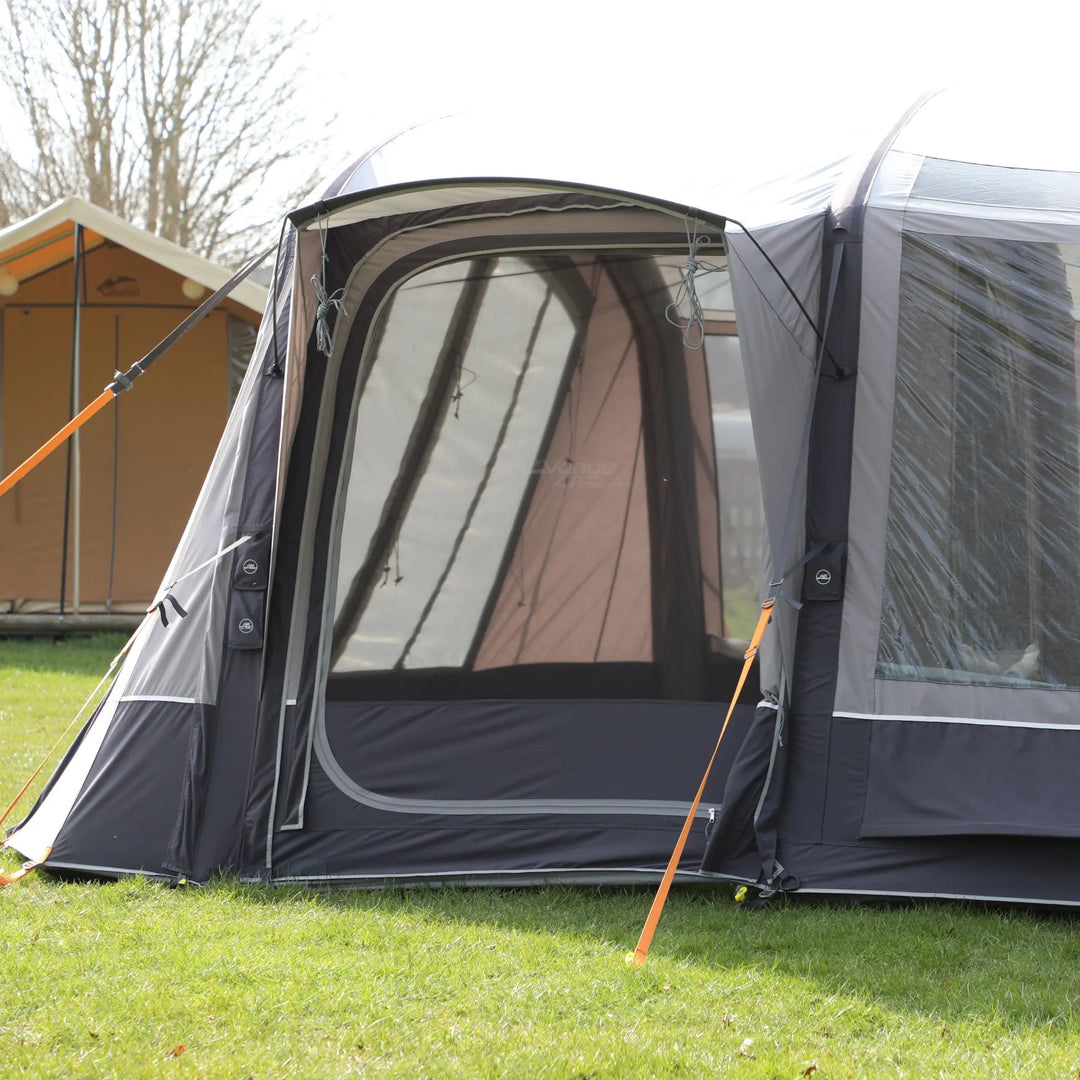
<point>134,979</point>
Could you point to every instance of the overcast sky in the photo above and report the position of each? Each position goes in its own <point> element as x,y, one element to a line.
<point>371,67</point>
<point>381,65</point>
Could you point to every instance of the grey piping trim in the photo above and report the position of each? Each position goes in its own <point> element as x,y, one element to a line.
<point>162,697</point>
<point>302,802</point>
<point>501,807</point>
<point>901,893</point>
<point>277,783</point>
<point>570,875</point>
<point>955,720</point>
<point>778,726</point>
<point>119,871</point>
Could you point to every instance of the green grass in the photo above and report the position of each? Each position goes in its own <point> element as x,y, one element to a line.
<point>43,684</point>
<point>107,980</point>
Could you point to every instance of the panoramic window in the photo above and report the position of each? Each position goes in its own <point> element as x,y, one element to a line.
<point>983,531</point>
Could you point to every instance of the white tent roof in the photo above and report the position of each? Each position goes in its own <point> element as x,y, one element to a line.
<point>763,171</point>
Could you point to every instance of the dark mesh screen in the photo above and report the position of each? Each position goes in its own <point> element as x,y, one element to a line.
<point>532,482</point>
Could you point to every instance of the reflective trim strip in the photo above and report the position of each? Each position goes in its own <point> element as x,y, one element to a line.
<point>502,807</point>
<point>764,703</point>
<point>162,697</point>
<point>955,720</point>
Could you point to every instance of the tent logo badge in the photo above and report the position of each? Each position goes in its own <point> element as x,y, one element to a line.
<point>823,577</point>
<point>245,626</point>
<point>250,566</point>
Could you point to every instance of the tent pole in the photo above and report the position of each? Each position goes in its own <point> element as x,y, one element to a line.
<point>116,469</point>
<point>76,446</point>
<point>73,408</point>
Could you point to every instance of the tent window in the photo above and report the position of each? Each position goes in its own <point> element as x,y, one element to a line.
<point>531,483</point>
<point>983,530</point>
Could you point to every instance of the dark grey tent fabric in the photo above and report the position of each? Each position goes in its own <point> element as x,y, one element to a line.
<point>480,624</point>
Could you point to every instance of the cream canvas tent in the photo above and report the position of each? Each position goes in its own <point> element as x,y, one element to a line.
<point>478,624</point>
<point>91,531</point>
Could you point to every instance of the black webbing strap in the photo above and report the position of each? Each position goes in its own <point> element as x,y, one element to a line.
<point>160,605</point>
<point>123,380</point>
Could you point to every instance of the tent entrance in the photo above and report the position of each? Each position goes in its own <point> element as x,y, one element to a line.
<point>523,553</point>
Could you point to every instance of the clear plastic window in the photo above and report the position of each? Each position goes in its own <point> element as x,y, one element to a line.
<point>983,531</point>
<point>742,516</point>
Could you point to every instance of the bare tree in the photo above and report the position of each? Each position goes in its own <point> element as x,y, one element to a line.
<point>175,114</point>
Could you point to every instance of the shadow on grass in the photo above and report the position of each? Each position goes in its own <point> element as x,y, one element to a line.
<point>957,961</point>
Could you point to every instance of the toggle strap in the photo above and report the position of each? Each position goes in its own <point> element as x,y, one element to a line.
<point>160,608</point>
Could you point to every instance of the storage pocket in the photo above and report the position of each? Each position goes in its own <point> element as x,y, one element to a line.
<point>247,600</point>
<point>246,615</point>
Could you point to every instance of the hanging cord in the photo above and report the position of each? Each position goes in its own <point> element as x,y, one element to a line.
<point>398,576</point>
<point>459,393</point>
<point>692,323</point>
<point>328,302</point>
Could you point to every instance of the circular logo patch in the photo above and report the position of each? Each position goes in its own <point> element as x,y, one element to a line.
<point>245,626</point>
<point>250,566</point>
<point>823,577</point>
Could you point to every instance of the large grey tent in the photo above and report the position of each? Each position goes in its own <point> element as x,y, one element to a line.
<point>483,624</point>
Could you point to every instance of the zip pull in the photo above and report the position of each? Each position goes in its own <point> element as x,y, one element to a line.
<point>710,822</point>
